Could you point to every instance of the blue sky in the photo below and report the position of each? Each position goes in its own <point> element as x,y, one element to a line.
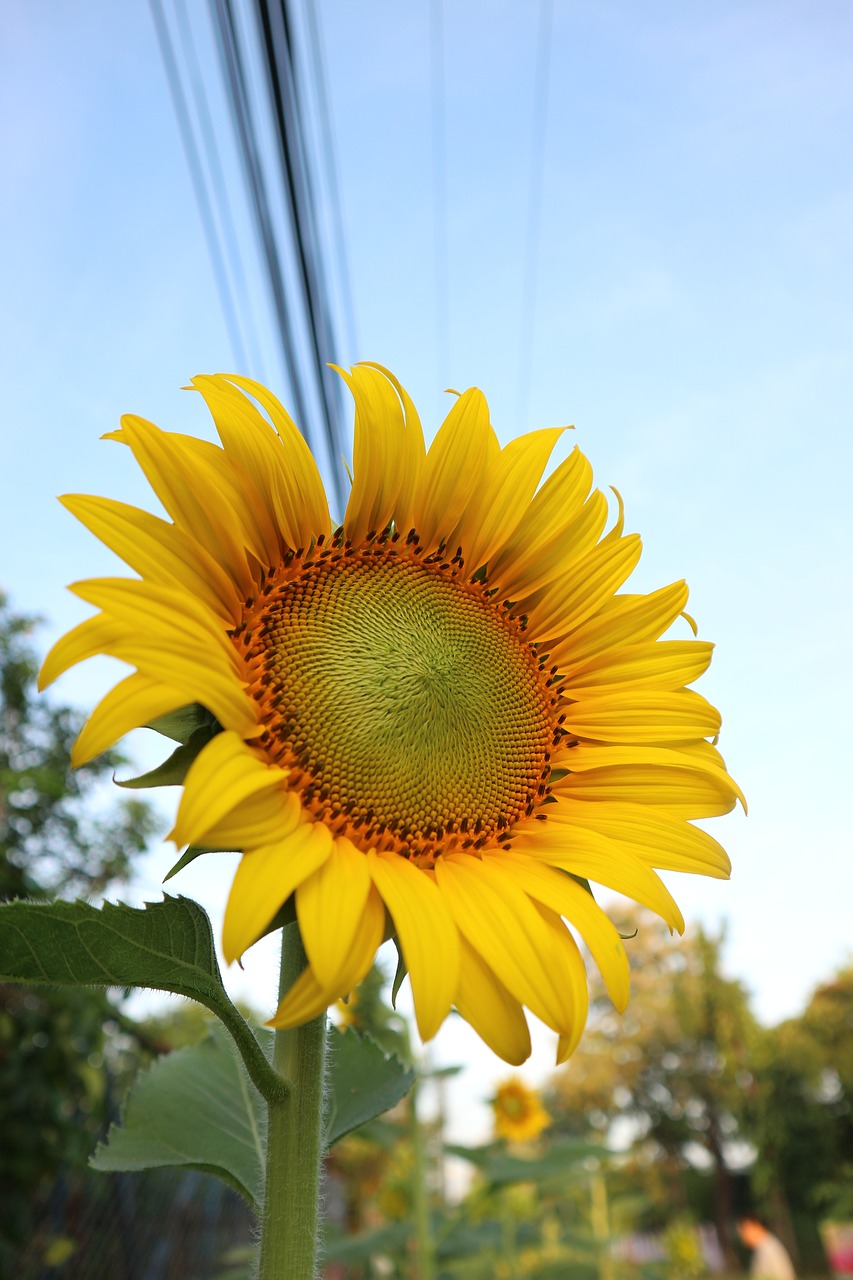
<point>692,318</point>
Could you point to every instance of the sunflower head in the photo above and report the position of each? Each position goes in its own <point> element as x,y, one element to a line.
<point>437,721</point>
<point>519,1115</point>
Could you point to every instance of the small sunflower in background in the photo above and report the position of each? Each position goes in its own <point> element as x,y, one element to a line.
<point>437,721</point>
<point>519,1115</point>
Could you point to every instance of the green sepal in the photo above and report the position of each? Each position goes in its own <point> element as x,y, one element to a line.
<point>172,772</point>
<point>180,725</point>
<point>195,1108</point>
<point>399,974</point>
<point>285,915</point>
<point>189,855</point>
<point>584,884</point>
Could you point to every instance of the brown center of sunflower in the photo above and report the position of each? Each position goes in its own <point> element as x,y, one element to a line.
<point>410,708</point>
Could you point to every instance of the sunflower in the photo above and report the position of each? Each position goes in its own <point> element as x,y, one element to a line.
<point>518,1111</point>
<point>437,721</point>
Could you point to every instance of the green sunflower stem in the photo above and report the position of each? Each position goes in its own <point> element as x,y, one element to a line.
<point>289,1222</point>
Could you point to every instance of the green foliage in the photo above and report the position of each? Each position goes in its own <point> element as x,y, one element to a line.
<point>368,1012</point>
<point>174,1117</point>
<point>165,946</point>
<point>556,1162</point>
<point>799,1114</point>
<point>364,1082</point>
<point>51,840</point>
<point>197,1108</point>
<point>62,1052</point>
<point>688,1063</point>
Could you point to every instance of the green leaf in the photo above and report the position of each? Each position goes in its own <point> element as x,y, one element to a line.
<point>180,725</point>
<point>172,772</point>
<point>194,1108</point>
<point>363,1082</point>
<point>352,1250</point>
<point>499,1168</point>
<point>166,946</point>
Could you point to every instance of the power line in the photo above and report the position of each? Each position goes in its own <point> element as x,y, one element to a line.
<point>439,169</point>
<point>277,46</point>
<point>220,189</point>
<point>197,178</point>
<point>327,142</point>
<point>235,78</point>
<point>534,207</point>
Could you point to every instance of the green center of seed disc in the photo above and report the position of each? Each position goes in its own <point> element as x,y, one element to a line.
<point>409,703</point>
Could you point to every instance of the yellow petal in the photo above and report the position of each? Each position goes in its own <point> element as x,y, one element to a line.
<point>191,478</point>
<point>485,1003</point>
<point>90,637</point>
<point>265,879</point>
<point>535,567</point>
<point>162,613</point>
<point>263,818</point>
<point>666,665</point>
<point>225,776</point>
<point>661,840</point>
<point>646,716</point>
<point>329,907</point>
<point>131,703</point>
<point>589,758</point>
<point>174,639</point>
<point>504,927</point>
<point>250,440</point>
<point>684,794</point>
<point>565,896</point>
<point>157,550</point>
<point>307,998</point>
<point>571,974</point>
<point>427,935</point>
<point>583,588</point>
<point>624,620</point>
<point>594,857</point>
<point>552,509</point>
<point>306,496</point>
<point>412,453</point>
<point>500,500</point>
<point>186,671</point>
<point>454,467</point>
<point>378,452</point>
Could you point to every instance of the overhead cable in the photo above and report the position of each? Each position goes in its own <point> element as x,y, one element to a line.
<point>231,58</point>
<point>208,222</point>
<point>220,191</point>
<point>327,142</point>
<point>277,46</point>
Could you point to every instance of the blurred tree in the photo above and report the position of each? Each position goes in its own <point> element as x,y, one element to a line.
<point>799,1114</point>
<point>61,1052</point>
<point>674,1065</point>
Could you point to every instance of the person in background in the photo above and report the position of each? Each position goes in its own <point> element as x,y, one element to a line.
<point>770,1260</point>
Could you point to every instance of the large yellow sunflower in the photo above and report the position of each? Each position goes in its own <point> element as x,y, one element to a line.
<point>438,720</point>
